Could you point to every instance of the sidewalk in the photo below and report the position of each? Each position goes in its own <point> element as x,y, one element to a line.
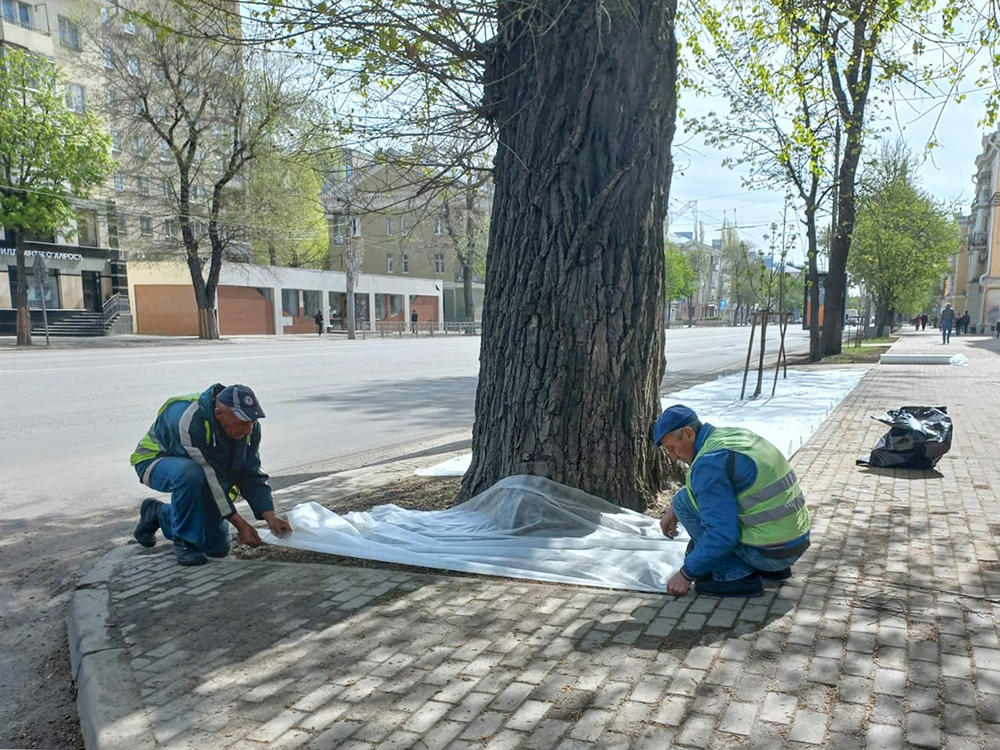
<point>886,637</point>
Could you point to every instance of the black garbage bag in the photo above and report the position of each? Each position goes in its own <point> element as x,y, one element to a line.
<point>920,435</point>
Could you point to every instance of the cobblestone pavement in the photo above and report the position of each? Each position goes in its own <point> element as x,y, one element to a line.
<point>885,638</point>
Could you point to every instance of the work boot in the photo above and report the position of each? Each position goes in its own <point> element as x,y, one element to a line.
<point>149,522</point>
<point>776,575</point>
<point>748,586</point>
<point>188,554</point>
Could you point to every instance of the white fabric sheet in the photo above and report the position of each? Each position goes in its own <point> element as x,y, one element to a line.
<point>522,527</point>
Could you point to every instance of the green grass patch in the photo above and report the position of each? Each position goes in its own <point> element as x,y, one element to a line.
<point>850,356</point>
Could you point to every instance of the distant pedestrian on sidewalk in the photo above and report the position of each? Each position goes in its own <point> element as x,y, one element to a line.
<point>319,321</point>
<point>966,320</point>
<point>923,322</point>
<point>203,450</point>
<point>414,318</point>
<point>947,321</point>
<point>741,505</point>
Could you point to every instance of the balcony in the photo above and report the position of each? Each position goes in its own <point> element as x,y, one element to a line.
<point>32,38</point>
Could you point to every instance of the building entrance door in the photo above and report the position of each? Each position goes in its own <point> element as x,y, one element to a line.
<point>92,291</point>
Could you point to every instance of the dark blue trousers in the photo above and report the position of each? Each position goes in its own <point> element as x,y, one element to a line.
<point>192,514</point>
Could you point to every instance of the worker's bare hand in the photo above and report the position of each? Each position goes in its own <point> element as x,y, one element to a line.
<point>248,535</point>
<point>668,523</point>
<point>277,524</point>
<point>678,585</point>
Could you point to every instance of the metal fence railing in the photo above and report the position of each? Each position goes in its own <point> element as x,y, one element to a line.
<point>115,305</point>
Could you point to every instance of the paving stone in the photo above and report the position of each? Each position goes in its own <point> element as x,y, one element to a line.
<point>808,727</point>
<point>778,708</point>
<point>697,731</point>
<point>739,718</point>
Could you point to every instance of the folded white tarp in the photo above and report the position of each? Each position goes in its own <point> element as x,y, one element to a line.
<point>522,527</point>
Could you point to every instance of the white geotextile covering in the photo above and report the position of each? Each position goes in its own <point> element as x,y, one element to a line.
<point>522,527</point>
<point>533,528</point>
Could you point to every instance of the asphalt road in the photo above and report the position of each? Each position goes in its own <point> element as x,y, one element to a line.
<point>70,418</point>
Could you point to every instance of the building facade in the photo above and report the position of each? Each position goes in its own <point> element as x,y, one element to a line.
<point>976,288</point>
<point>262,300</point>
<point>86,266</point>
<point>387,216</point>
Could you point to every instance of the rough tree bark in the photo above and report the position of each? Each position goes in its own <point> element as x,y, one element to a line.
<point>21,293</point>
<point>572,350</point>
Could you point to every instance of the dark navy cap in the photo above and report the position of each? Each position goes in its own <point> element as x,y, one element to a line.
<point>242,401</point>
<point>673,418</point>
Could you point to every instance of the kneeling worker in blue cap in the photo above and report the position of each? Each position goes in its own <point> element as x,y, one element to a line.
<point>742,507</point>
<point>203,450</point>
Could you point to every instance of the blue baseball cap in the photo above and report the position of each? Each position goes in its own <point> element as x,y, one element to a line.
<point>673,418</point>
<point>242,401</point>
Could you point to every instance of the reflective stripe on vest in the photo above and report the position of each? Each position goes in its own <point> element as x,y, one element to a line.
<point>149,447</point>
<point>771,511</point>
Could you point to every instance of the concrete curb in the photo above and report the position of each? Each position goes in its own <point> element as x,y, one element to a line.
<point>112,716</point>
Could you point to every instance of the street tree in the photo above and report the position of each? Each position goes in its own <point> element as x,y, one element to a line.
<point>49,155</point>
<point>581,102</point>
<point>903,241</point>
<point>679,278</point>
<point>465,207</point>
<point>698,260</point>
<point>196,114</point>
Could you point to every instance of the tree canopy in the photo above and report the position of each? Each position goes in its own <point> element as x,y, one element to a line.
<point>49,153</point>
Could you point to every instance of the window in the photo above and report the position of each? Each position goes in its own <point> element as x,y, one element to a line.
<point>164,151</point>
<point>138,107</point>
<point>388,226</point>
<point>143,184</point>
<point>438,262</point>
<point>69,34</point>
<point>402,225</point>
<point>168,188</point>
<point>171,229</point>
<point>198,192</point>
<point>112,98</point>
<point>388,263</point>
<point>109,58</point>
<point>17,11</point>
<point>339,227</point>
<point>404,263</point>
<point>50,288</point>
<point>290,301</point>
<point>129,26</point>
<point>122,225</point>
<point>132,66</point>
<point>86,228</point>
<point>74,97</point>
<point>355,227</point>
<point>145,226</point>
<point>438,226</point>
<point>119,182</point>
<point>116,142</point>
<point>140,145</point>
<point>105,14</point>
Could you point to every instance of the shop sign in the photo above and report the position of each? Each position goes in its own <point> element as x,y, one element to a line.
<point>46,254</point>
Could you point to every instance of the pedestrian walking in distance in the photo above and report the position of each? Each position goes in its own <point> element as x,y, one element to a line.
<point>947,322</point>
<point>204,450</point>
<point>741,505</point>
<point>413,320</point>
<point>319,321</point>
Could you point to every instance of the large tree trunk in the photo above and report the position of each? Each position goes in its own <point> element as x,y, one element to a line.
<point>836,278</point>
<point>204,296</point>
<point>572,350</point>
<point>812,278</point>
<point>21,293</point>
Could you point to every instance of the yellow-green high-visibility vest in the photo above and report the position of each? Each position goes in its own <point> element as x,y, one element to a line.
<point>149,447</point>
<point>772,510</point>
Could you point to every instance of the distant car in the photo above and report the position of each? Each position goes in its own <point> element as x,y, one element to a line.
<point>852,317</point>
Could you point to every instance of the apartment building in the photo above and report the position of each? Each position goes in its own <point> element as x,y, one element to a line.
<point>976,287</point>
<point>400,226</point>
<point>85,264</point>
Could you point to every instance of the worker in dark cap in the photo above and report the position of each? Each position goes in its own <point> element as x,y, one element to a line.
<point>741,505</point>
<point>203,450</point>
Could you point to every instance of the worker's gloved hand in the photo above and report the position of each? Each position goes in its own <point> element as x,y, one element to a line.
<point>668,523</point>
<point>277,524</point>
